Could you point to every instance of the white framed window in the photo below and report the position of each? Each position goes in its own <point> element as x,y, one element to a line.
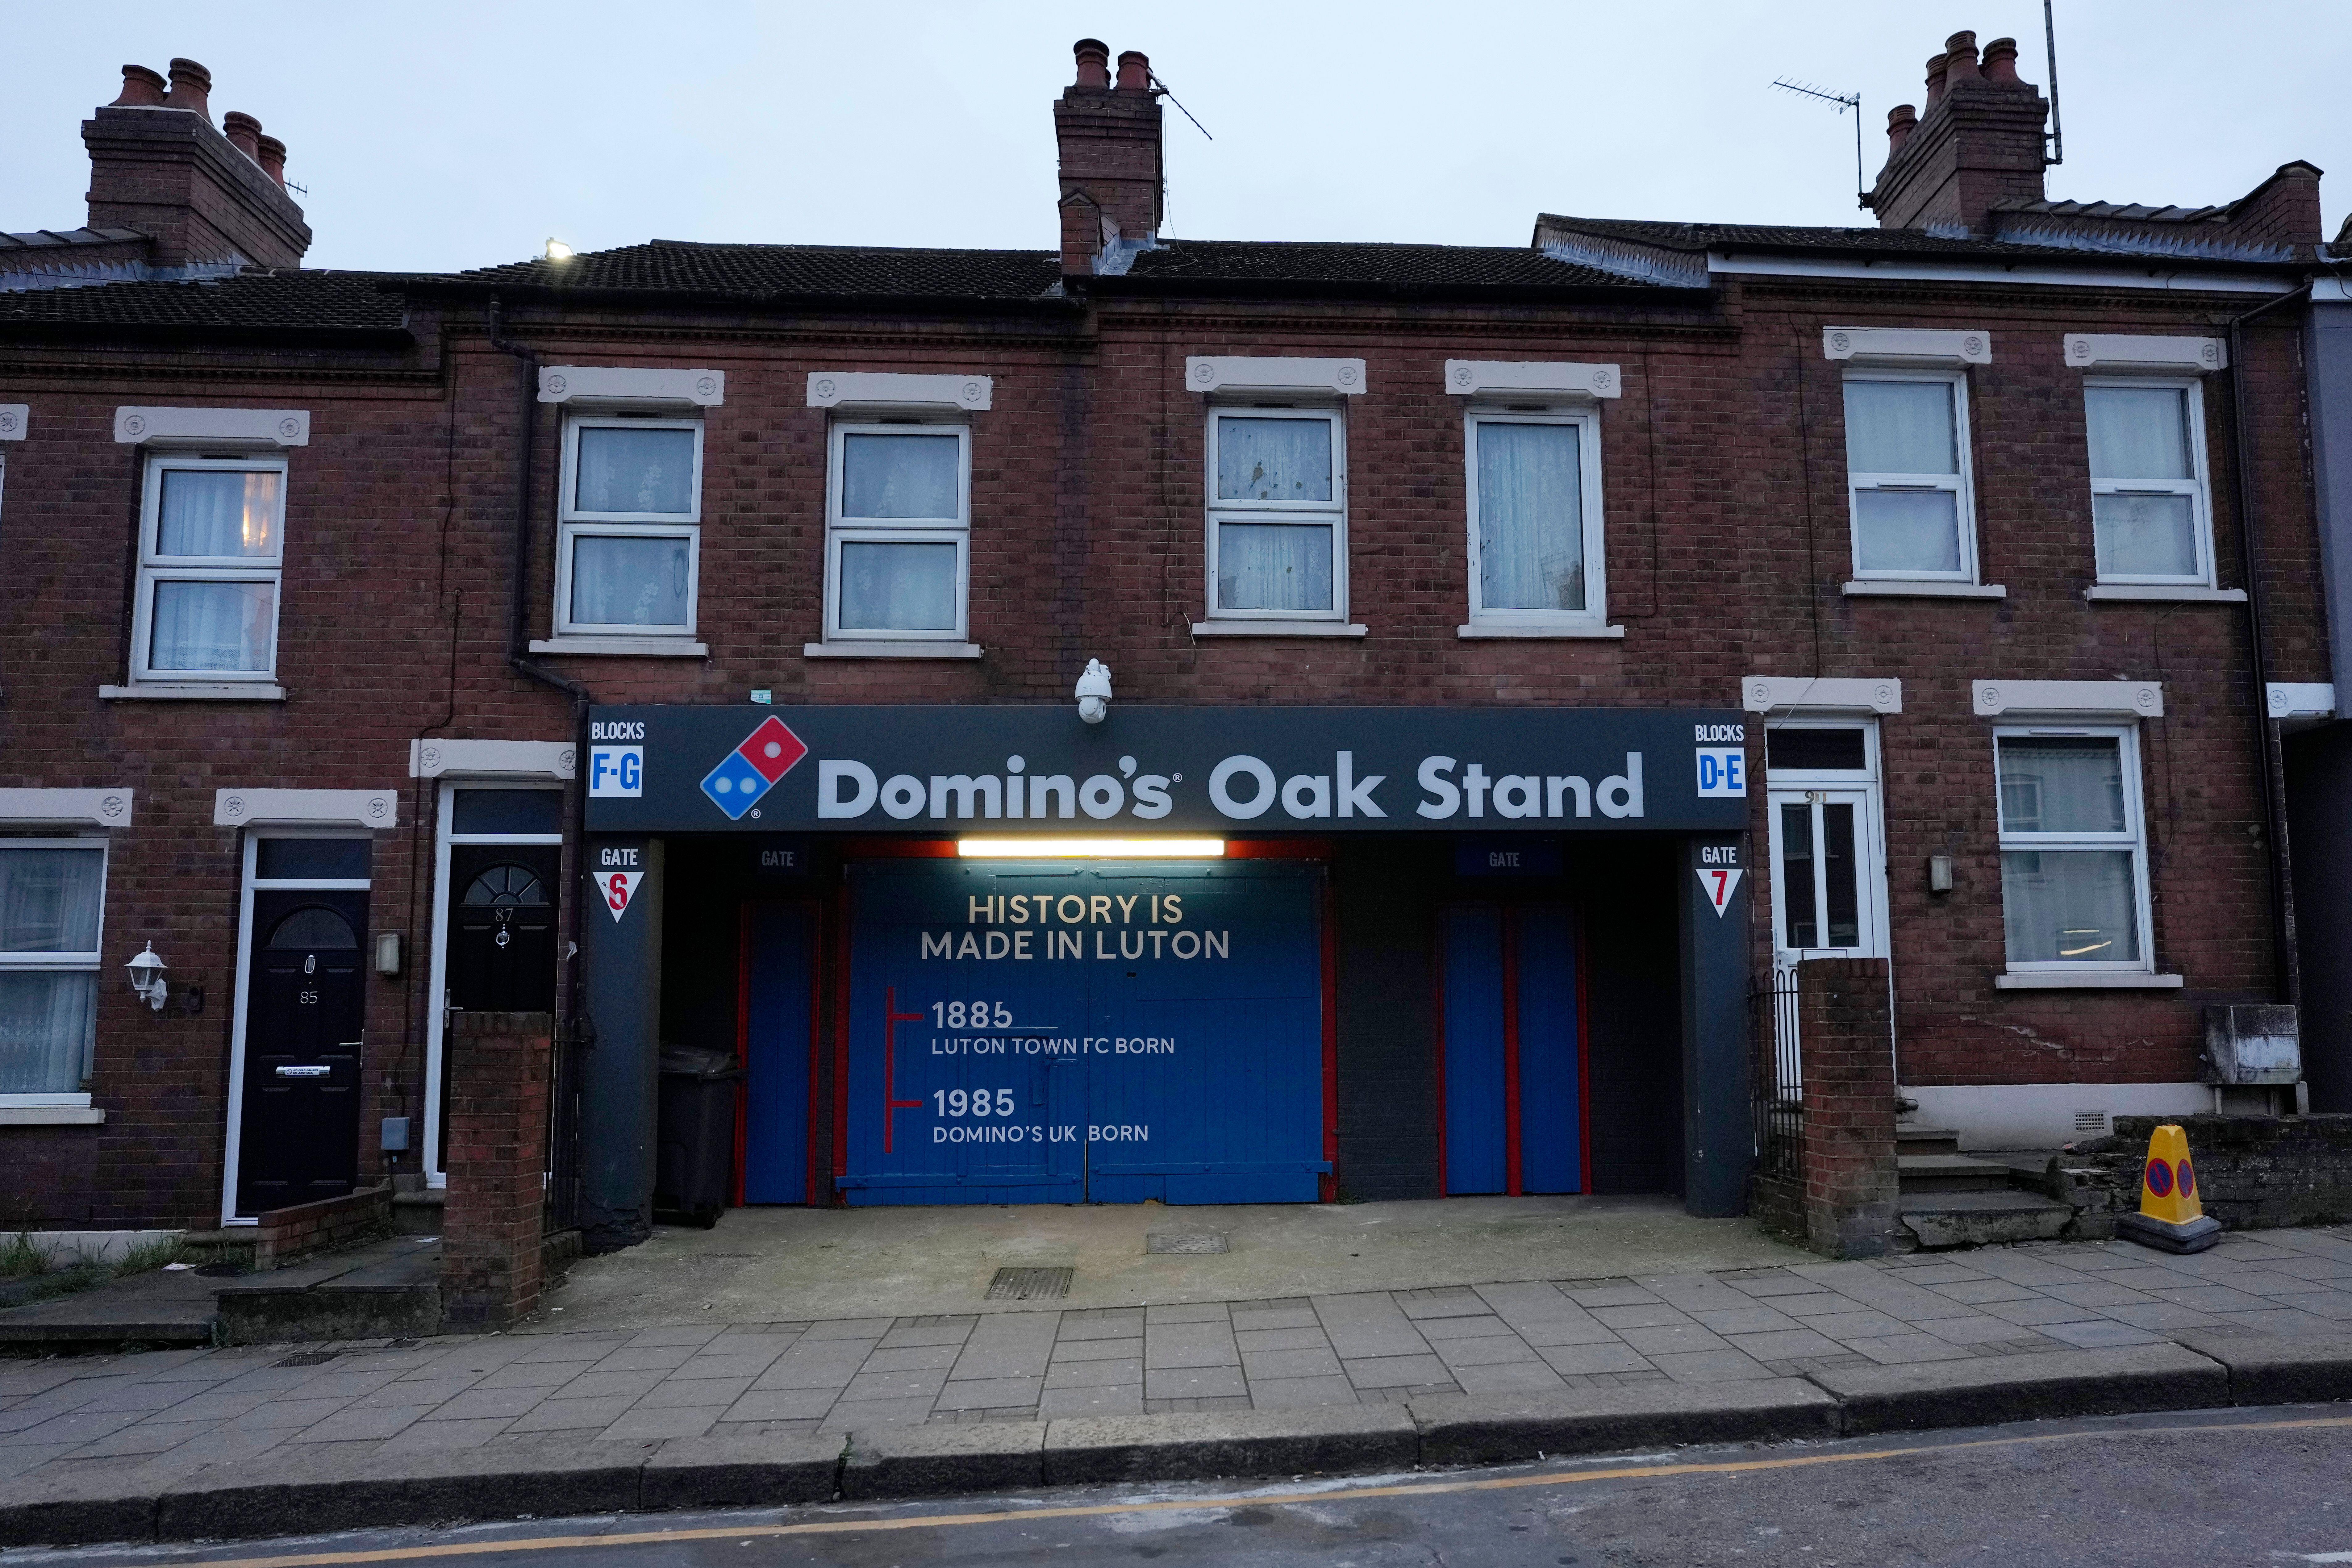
<point>52,904</point>
<point>629,539</point>
<point>1536,545</point>
<point>2074,852</point>
<point>212,556</point>
<point>1277,487</point>
<point>1908,479</point>
<point>2150,513</point>
<point>898,538</point>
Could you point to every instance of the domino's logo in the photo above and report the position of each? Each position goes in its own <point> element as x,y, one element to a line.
<point>751,769</point>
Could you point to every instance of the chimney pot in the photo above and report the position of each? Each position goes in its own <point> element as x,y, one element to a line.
<point>1936,80</point>
<point>270,153</point>
<point>2000,60</point>
<point>1134,72</point>
<point>1961,58</point>
<point>141,89</point>
<point>1900,121</point>
<point>1094,62</point>
<point>191,87</point>
<point>244,133</point>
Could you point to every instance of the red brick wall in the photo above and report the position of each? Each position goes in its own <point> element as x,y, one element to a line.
<point>1724,476</point>
<point>1851,1179</point>
<point>491,1225</point>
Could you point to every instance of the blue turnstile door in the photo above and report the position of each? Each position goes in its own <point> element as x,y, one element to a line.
<point>1513,1068</point>
<point>778,953</point>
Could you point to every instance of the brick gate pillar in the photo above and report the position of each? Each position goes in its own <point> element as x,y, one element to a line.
<point>496,1154</point>
<point>1846,1035</point>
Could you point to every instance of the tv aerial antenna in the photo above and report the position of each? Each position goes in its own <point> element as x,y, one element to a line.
<point>1844,102</point>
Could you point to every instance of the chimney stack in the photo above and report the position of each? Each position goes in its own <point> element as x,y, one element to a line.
<point>204,196</point>
<point>1110,138</point>
<point>1976,145</point>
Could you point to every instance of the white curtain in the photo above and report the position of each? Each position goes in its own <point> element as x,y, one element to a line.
<point>617,580</point>
<point>1273,566</point>
<point>48,1021</point>
<point>1273,459</point>
<point>218,514</point>
<point>2075,906</point>
<point>897,587</point>
<point>635,471</point>
<point>1900,427</point>
<point>2054,785</point>
<point>899,476</point>
<point>2144,536</point>
<point>49,900</point>
<point>211,626</point>
<point>2137,432</point>
<point>1530,518</point>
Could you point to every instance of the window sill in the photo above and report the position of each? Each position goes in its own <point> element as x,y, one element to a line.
<point>1278,629</point>
<point>2058,979</point>
<point>51,1116</point>
<point>194,691</point>
<point>623,647</point>
<point>1474,632</point>
<point>2165,594</point>
<point>891,650</point>
<point>1894,588</point>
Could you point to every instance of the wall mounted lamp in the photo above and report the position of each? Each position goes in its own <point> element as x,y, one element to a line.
<point>147,977</point>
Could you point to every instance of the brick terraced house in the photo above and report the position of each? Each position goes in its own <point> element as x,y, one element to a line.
<point>1513,662</point>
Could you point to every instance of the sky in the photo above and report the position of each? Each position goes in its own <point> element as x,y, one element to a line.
<point>465,135</point>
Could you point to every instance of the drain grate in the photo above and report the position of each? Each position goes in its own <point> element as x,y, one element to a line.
<point>1190,1242</point>
<point>1029,1284</point>
<point>308,1358</point>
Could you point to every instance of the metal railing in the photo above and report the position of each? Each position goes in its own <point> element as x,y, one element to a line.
<point>1779,1076</point>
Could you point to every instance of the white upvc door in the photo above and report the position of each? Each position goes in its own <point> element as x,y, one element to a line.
<point>1827,874</point>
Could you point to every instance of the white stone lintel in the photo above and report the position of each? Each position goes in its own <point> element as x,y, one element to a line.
<point>436,759</point>
<point>1477,377</point>
<point>1907,345</point>
<point>2087,699</point>
<point>1821,694</point>
<point>134,425</point>
<point>624,384</point>
<point>1243,372</point>
<point>890,389</point>
<point>371,808</point>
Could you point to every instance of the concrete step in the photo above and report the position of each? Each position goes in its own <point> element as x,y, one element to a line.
<point>1926,1173</point>
<point>1940,1220</point>
<point>387,1289</point>
<point>233,1244</point>
<point>418,1213</point>
<point>1927,1140</point>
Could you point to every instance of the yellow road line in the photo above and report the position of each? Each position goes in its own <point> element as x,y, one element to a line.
<point>1196,1505</point>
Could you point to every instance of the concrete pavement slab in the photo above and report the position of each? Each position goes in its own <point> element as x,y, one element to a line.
<point>2269,1370</point>
<point>742,1471</point>
<point>1468,1429</point>
<point>1985,1390</point>
<point>1319,1439</point>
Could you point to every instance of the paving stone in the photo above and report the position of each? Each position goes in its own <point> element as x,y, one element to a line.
<point>1014,1345</point>
<point>1692,1293</point>
<point>1904,1349</point>
<point>1124,1399</point>
<point>1194,1382</point>
<point>2044,1310</point>
<point>1653,1315</point>
<point>1368,1325</point>
<point>1104,1374</point>
<point>1069,1351</point>
<point>644,1425</point>
<point>1769,1284</point>
<point>435,1436</point>
<point>1972,1329</point>
<point>1674,1339</point>
<point>1109,1323</point>
<point>1942,1274</point>
<point>675,1395</point>
<point>2161,1315</point>
<point>645,1358</point>
<point>1186,1313</point>
<point>1751,1318</point>
<point>1782,1344</point>
<point>1725,1365</point>
<point>1190,1345</point>
<point>775,1405</point>
<point>409,1391</point>
<point>587,1386</point>
<point>922,1383</point>
<point>1395,1371</point>
<point>1493,1349</point>
<point>2091,1336</point>
<point>1978,1292</point>
<point>992,1392</point>
<point>1585,1360</point>
<point>2334,1305</point>
<point>830,1364</point>
<point>1815,1304</point>
<point>912,1358</point>
<point>286,1414</point>
<point>356,1423</point>
<point>867,1415</point>
<point>2284,1321</point>
<point>909,1332</point>
<point>1275,1319</point>
<point>1310,1337</point>
<point>1316,1361</point>
<point>574,1347</point>
<point>1299,1392</point>
<point>1506,1377</point>
<point>1444,1301</point>
<point>143,1437</point>
<point>566,1415</point>
<point>1851,1326</point>
<point>850,1328</point>
<point>1598,1294</point>
<point>477,1404</point>
<point>541,1374</point>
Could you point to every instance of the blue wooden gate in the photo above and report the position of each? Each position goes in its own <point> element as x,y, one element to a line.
<point>778,984</point>
<point>1512,1049</point>
<point>1067,1031</point>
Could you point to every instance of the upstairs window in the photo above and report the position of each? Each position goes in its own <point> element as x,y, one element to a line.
<point>1906,442</point>
<point>629,540</point>
<point>2074,863</point>
<point>898,532</point>
<point>2148,510</point>
<point>51,895</point>
<point>1277,545</point>
<point>1535,521</point>
<point>212,553</point>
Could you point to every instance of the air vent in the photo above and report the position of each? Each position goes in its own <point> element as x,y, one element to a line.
<point>1029,1284</point>
<point>2090,1121</point>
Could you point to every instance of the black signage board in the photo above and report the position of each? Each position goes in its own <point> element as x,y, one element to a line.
<point>1159,771</point>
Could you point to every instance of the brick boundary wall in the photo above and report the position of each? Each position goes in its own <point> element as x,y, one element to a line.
<point>497,1143</point>
<point>1847,1038</point>
<point>2252,1171</point>
<point>281,1235</point>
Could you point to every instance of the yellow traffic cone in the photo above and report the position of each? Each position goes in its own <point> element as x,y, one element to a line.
<point>2170,1219</point>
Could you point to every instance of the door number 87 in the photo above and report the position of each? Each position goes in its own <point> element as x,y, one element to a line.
<point>971,1016</point>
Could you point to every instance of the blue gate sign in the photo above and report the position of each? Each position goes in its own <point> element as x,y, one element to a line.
<point>1065,1032</point>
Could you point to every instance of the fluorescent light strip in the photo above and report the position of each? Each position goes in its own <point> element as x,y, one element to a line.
<point>1091,849</point>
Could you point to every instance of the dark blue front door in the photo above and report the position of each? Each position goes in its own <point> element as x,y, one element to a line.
<point>1513,1069</point>
<point>1060,1031</point>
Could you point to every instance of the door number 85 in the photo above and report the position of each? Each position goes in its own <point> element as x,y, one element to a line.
<point>971,1016</point>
